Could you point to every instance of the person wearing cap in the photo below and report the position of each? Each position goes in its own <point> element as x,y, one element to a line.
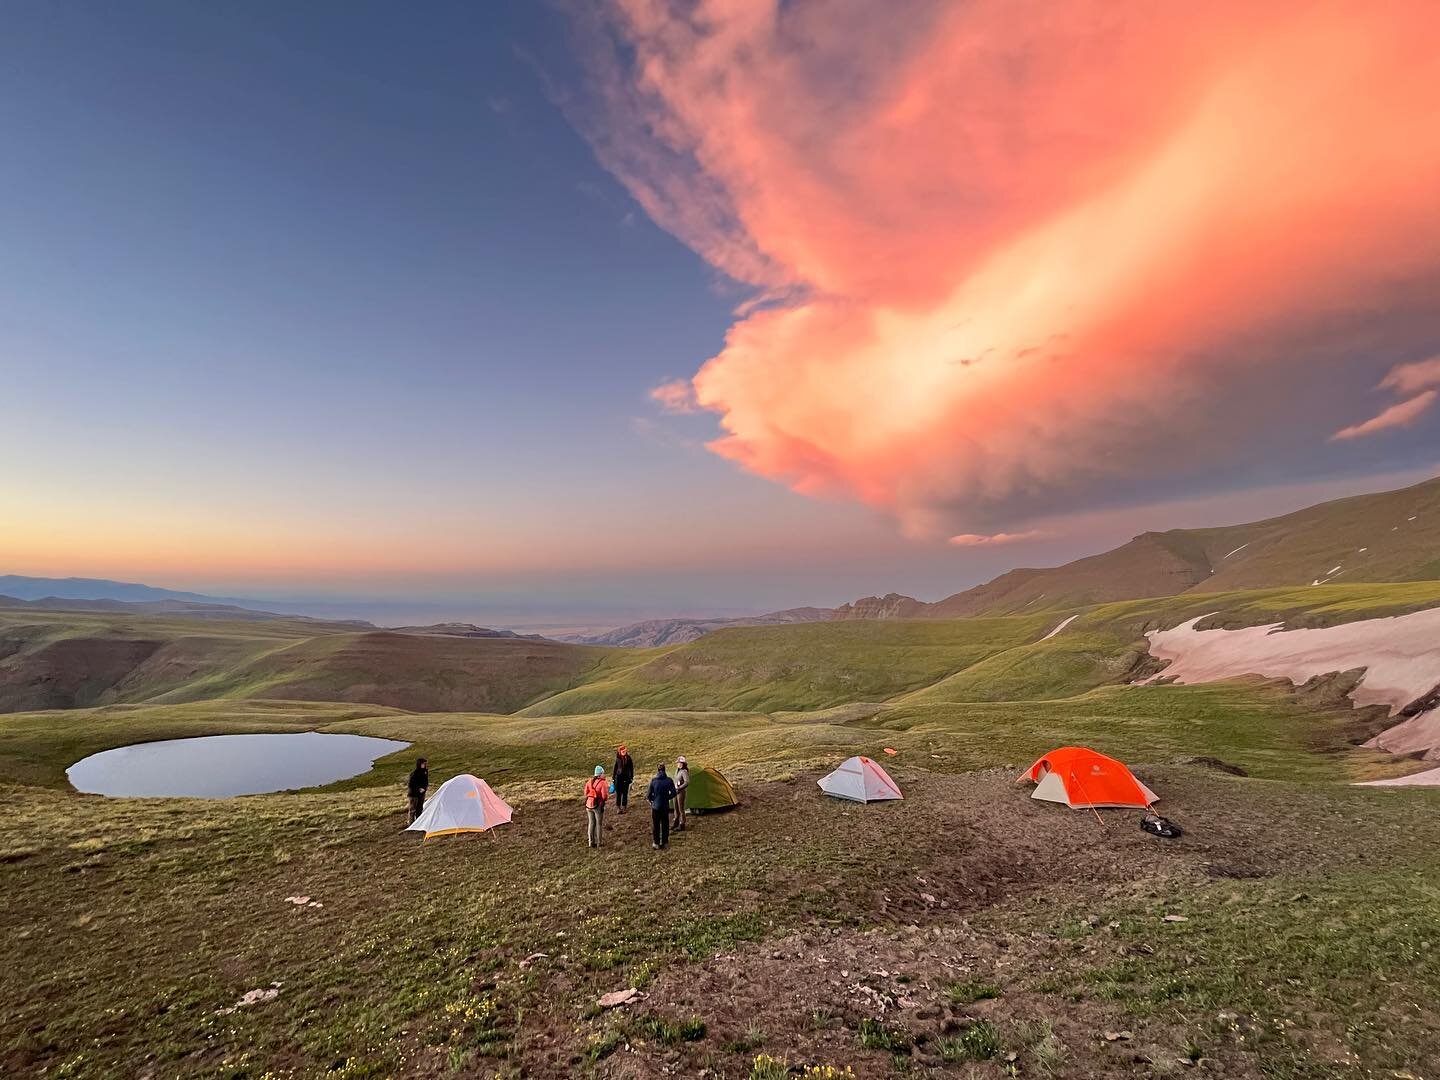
<point>597,790</point>
<point>682,781</point>
<point>623,775</point>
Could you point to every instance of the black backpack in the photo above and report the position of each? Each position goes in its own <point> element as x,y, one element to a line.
<point>1160,826</point>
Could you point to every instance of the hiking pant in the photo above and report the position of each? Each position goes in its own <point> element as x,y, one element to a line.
<point>679,810</point>
<point>417,804</point>
<point>660,825</point>
<point>622,795</point>
<point>594,817</point>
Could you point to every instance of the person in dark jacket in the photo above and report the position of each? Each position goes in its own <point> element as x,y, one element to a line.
<point>419,784</point>
<point>662,790</point>
<point>623,775</point>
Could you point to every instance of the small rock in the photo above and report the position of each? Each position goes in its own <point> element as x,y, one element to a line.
<point>618,997</point>
<point>1177,918</point>
<point>1118,1036</point>
<point>530,960</point>
<point>298,901</point>
<point>927,898</point>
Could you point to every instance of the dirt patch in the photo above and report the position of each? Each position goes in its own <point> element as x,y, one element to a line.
<point>958,849</point>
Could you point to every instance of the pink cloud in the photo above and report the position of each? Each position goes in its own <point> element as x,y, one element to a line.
<point>1401,415</point>
<point>675,396</point>
<point>1407,378</point>
<point>1009,248</point>
<point>996,539</point>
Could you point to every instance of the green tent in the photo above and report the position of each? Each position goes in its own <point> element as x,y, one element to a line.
<point>709,791</point>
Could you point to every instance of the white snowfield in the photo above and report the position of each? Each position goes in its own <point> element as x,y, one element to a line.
<point>1400,655</point>
<point>1428,778</point>
<point>1419,733</point>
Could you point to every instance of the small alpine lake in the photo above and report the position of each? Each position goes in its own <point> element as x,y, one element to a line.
<point>222,766</point>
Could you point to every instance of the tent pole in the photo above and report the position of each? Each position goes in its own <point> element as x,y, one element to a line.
<point>1081,785</point>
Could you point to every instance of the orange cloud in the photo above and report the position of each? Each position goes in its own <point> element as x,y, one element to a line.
<point>675,396</point>
<point>1007,249</point>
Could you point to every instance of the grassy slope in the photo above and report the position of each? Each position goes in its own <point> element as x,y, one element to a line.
<point>423,673</point>
<point>801,666</point>
<point>1397,529</point>
<point>69,659</point>
<point>132,924</point>
<point>1104,644</point>
<point>60,659</point>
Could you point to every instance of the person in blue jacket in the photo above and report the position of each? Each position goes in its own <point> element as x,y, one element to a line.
<point>662,790</point>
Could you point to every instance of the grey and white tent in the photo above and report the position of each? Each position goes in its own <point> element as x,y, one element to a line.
<point>860,780</point>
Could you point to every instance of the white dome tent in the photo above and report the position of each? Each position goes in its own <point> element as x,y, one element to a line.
<point>860,780</point>
<point>462,804</point>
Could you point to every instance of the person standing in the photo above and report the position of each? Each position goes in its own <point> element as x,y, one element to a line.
<point>682,781</point>
<point>419,784</point>
<point>662,790</point>
<point>624,775</point>
<point>596,792</point>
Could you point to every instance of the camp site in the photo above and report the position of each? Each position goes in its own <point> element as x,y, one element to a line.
<point>719,540</point>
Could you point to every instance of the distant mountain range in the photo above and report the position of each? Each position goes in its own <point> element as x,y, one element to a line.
<point>653,632</point>
<point>466,630</point>
<point>1388,536</point>
<point>74,588</point>
<point>184,608</point>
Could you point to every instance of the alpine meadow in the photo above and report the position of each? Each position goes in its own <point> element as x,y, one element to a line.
<point>733,539</point>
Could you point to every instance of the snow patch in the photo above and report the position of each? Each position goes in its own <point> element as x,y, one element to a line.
<point>1062,626</point>
<point>1428,778</point>
<point>1400,655</point>
<point>1419,734</point>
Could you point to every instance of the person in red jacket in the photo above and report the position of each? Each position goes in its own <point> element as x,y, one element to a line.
<point>597,790</point>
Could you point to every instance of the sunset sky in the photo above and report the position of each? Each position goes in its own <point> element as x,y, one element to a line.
<point>594,311</point>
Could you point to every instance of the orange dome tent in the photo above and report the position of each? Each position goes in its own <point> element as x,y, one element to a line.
<point>1083,779</point>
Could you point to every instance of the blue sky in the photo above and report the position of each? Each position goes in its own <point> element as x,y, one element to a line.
<point>331,299</point>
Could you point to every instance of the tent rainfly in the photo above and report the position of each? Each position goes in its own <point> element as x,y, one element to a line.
<point>462,804</point>
<point>709,791</point>
<point>1083,779</point>
<point>860,780</point>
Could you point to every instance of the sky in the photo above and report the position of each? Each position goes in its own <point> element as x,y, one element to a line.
<point>589,311</point>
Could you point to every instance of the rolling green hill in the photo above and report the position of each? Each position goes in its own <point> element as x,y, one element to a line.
<point>798,666</point>
<point>61,660</point>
